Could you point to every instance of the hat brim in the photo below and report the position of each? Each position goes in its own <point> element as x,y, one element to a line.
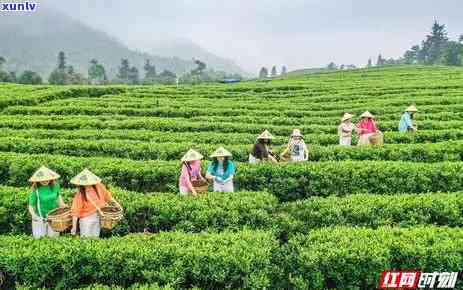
<point>221,155</point>
<point>189,159</point>
<point>90,183</point>
<point>347,117</point>
<point>50,178</point>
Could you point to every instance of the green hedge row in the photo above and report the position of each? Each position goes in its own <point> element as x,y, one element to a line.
<point>31,95</point>
<point>329,258</point>
<point>112,287</point>
<point>235,115</point>
<point>369,210</point>
<point>254,210</point>
<point>443,151</point>
<point>159,212</point>
<point>435,152</point>
<point>424,136</point>
<point>287,181</point>
<point>210,261</point>
<point>316,106</point>
<point>71,122</point>
<point>354,258</point>
<point>298,181</point>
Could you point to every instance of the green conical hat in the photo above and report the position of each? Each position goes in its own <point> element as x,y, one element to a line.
<point>221,152</point>
<point>44,174</point>
<point>192,155</point>
<point>85,178</point>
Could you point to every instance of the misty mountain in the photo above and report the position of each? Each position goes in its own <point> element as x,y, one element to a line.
<point>32,41</point>
<point>188,50</point>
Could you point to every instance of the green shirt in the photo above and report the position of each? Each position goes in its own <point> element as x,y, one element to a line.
<point>48,199</point>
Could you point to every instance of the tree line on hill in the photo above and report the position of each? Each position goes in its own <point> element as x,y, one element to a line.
<point>65,74</point>
<point>435,49</point>
<point>264,72</point>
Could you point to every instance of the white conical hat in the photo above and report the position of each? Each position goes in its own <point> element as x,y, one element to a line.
<point>43,174</point>
<point>265,135</point>
<point>367,115</point>
<point>296,133</point>
<point>221,152</point>
<point>412,108</point>
<point>85,178</point>
<point>346,117</point>
<point>192,155</point>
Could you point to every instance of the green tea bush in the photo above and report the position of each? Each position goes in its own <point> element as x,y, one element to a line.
<point>354,258</point>
<point>159,211</point>
<point>209,261</point>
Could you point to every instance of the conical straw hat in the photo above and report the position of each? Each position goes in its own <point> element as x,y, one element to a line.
<point>43,174</point>
<point>221,152</point>
<point>85,178</point>
<point>265,135</point>
<point>411,109</point>
<point>367,115</point>
<point>192,155</point>
<point>54,173</point>
<point>346,117</point>
<point>296,133</point>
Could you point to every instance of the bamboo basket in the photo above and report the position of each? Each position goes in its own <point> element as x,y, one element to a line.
<point>200,186</point>
<point>60,219</point>
<point>376,139</point>
<point>285,157</point>
<point>110,216</point>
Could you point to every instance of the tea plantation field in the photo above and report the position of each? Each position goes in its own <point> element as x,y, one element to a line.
<point>334,222</point>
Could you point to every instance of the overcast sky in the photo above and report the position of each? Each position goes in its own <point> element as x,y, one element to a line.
<point>255,33</point>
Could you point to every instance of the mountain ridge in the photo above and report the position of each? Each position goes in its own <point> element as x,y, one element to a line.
<point>33,41</point>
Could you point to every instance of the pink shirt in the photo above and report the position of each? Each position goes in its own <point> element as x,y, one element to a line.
<point>193,173</point>
<point>367,124</point>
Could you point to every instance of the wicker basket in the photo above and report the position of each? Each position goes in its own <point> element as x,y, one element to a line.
<point>111,215</point>
<point>376,139</point>
<point>60,219</point>
<point>200,186</point>
<point>285,157</point>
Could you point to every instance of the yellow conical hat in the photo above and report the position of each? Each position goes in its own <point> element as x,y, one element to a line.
<point>265,135</point>
<point>44,174</point>
<point>85,178</point>
<point>346,117</point>
<point>192,155</point>
<point>221,152</point>
<point>367,115</point>
<point>411,109</point>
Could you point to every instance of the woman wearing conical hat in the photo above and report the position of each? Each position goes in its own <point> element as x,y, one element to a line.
<point>406,120</point>
<point>191,171</point>
<point>44,197</point>
<point>261,150</point>
<point>221,170</point>
<point>366,128</point>
<point>296,147</point>
<point>90,197</point>
<point>345,130</point>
